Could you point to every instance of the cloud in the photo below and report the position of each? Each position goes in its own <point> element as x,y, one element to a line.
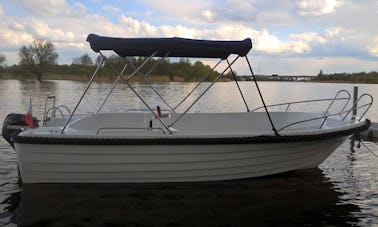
<point>318,7</point>
<point>43,7</point>
<point>372,47</point>
<point>81,7</point>
<point>207,15</point>
<point>333,31</point>
<point>309,37</point>
<point>237,10</point>
<point>283,34</point>
<point>112,9</point>
<point>1,10</point>
<point>272,45</point>
<point>181,10</point>
<point>10,38</point>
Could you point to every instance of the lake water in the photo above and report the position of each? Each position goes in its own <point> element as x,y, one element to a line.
<point>343,191</point>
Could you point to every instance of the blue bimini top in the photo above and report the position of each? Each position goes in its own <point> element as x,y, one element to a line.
<point>172,47</point>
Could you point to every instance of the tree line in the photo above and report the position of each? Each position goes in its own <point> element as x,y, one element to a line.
<point>361,77</point>
<point>39,61</point>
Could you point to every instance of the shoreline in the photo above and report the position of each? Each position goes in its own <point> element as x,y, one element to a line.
<point>183,81</point>
<point>156,79</point>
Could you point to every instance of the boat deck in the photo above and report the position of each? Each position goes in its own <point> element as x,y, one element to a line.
<point>136,125</point>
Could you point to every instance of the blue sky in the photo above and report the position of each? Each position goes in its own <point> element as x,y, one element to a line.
<point>289,36</point>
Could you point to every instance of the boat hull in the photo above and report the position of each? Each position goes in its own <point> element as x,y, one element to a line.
<point>60,163</point>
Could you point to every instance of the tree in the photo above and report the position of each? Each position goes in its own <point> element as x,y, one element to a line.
<point>320,74</point>
<point>98,60</point>
<point>2,59</point>
<point>84,60</point>
<point>38,57</point>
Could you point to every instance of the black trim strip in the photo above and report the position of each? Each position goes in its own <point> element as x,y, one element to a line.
<point>190,141</point>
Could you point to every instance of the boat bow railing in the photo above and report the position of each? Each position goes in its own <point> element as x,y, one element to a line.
<point>366,106</point>
<point>289,104</point>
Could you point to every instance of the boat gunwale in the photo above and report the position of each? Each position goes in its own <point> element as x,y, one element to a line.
<point>25,139</point>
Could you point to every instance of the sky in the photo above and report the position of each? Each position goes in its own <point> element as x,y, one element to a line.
<point>290,37</point>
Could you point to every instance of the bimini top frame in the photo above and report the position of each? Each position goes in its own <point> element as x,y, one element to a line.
<point>169,47</point>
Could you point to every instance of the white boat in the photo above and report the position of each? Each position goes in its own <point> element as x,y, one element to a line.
<point>170,146</point>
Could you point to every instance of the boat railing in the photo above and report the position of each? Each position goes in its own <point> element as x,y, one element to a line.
<point>367,106</point>
<point>326,115</point>
<point>52,111</point>
<point>152,129</point>
<point>289,104</point>
<point>333,101</point>
<point>146,110</point>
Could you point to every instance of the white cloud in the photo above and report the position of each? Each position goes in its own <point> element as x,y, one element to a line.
<point>135,28</point>
<point>112,9</point>
<point>10,38</point>
<point>180,10</point>
<point>333,31</point>
<point>69,27</point>
<point>178,7</point>
<point>309,37</point>
<point>44,7</point>
<point>270,44</point>
<point>318,7</point>
<point>1,10</point>
<point>372,47</point>
<point>207,15</point>
<point>81,7</point>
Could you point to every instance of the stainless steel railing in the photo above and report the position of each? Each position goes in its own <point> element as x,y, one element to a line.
<point>52,111</point>
<point>326,115</point>
<point>289,104</point>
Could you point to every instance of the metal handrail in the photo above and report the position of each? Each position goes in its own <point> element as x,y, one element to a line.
<point>45,114</point>
<point>298,102</point>
<point>335,114</point>
<point>145,110</point>
<point>333,101</point>
<point>125,128</point>
<point>53,111</point>
<point>369,104</point>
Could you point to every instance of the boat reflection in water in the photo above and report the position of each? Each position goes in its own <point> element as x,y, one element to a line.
<point>295,198</point>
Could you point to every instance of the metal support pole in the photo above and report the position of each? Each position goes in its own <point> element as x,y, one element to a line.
<point>82,96</point>
<point>237,84</point>
<point>136,93</point>
<point>204,92</point>
<point>111,88</point>
<point>261,97</point>
<point>148,83</point>
<point>355,97</point>
<point>195,87</point>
